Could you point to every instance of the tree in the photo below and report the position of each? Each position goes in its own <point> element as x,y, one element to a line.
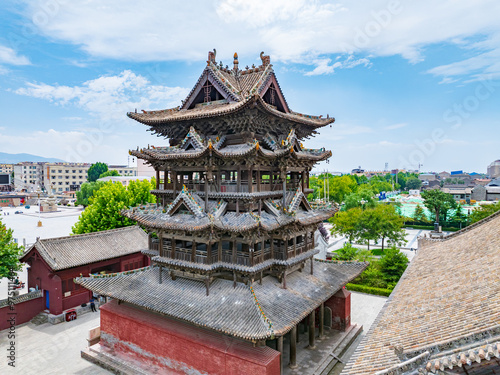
<point>388,225</point>
<point>437,201</point>
<point>367,224</point>
<point>484,212</point>
<point>346,223</point>
<point>86,191</point>
<point>9,253</point>
<point>103,212</point>
<point>419,214</point>
<point>413,183</point>
<point>362,198</point>
<point>341,186</point>
<point>95,171</point>
<point>109,173</point>
<point>392,264</point>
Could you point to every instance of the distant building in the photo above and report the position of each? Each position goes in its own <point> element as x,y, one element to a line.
<point>6,168</point>
<point>28,176</point>
<point>481,181</point>
<point>478,193</point>
<point>63,177</point>
<point>144,169</point>
<point>427,177</point>
<point>494,169</point>
<point>493,190</point>
<point>459,193</point>
<point>123,170</point>
<point>444,175</point>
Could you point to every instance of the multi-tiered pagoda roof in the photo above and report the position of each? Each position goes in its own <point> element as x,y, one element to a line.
<point>250,99</point>
<point>232,222</point>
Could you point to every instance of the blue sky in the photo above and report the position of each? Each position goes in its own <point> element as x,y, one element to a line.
<point>408,82</point>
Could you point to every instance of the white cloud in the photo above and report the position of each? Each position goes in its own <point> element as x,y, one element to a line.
<point>323,65</point>
<point>109,97</point>
<point>396,126</point>
<point>289,30</point>
<point>9,56</point>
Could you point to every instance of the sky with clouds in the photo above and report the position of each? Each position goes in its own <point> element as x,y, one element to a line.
<point>409,82</point>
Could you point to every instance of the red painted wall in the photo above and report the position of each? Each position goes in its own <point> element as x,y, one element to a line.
<point>25,311</point>
<point>180,347</point>
<point>39,274</point>
<point>340,303</point>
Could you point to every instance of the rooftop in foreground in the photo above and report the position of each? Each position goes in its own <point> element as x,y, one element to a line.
<point>251,313</point>
<point>445,311</point>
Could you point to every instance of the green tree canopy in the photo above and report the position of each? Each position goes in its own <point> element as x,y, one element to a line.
<point>438,202</point>
<point>341,186</point>
<point>419,214</point>
<point>95,171</point>
<point>484,211</point>
<point>9,252</point>
<point>346,223</point>
<point>413,183</point>
<point>103,212</point>
<point>392,264</point>
<point>86,191</point>
<point>109,173</point>
<point>364,198</point>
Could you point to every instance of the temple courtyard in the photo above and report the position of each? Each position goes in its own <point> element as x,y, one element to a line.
<point>55,349</point>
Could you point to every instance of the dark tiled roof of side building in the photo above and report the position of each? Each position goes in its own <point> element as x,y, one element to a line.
<point>72,251</point>
<point>250,314</point>
<point>445,310</point>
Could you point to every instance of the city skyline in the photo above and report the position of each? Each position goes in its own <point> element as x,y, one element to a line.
<point>406,86</point>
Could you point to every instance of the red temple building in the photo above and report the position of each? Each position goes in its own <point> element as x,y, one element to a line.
<point>231,240</point>
<point>55,262</point>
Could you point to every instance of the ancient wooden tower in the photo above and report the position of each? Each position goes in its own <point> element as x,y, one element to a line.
<point>232,234</point>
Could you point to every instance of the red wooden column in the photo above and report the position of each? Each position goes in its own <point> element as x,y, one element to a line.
<point>340,304</point>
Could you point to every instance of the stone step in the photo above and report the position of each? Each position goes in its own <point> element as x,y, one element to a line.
<point>40,319</point>
<point>335,356</point>
<point>96,355</point>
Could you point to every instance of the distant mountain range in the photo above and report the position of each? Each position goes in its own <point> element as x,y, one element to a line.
<point>17,158</point>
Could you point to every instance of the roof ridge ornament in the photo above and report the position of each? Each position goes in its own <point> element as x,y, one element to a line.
<point>235,62</point>
<point>266,59</point>
<point>211,57</point>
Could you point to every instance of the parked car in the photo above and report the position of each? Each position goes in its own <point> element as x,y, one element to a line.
<point>18,212</point>
<point>27,207</point>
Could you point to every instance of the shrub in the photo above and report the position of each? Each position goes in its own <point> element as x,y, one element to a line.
<point>392,264</point>
<point>369,290</point>
<point>346,252</point>
<point>372,276</point>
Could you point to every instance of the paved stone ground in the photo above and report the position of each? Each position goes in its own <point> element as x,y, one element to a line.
<point>336,242</point>
<point>50,349</point>
<point>55,349</point>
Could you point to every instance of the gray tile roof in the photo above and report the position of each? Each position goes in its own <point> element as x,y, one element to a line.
<point>20,298</point>
<point>231,266</point>
<point>226,309</point>
<point>157,217</point>
<point>447,302</point>
<point>72,251</point>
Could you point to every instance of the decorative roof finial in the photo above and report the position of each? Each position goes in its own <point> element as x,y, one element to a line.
<point>266,59</point>
<point>235,68</point>
<point>211,57</point>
